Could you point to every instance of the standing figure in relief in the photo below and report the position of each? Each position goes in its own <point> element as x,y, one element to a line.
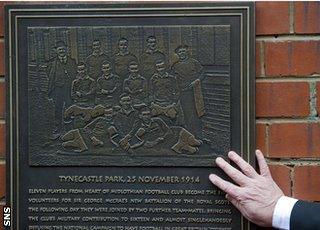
<point>135,85</point>
<point>108,86</point>
<point>188,71</point>
<point>61,73</point>
<point>95,59</point>
<point>122,60</point>
<point>149,58</point>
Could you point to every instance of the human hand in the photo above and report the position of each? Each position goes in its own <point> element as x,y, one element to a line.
<point>256,195</point>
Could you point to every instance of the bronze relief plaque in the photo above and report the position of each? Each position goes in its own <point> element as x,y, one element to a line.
<point>116,113</point>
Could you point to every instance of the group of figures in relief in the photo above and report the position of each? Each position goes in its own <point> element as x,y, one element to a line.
<point>127,102</point>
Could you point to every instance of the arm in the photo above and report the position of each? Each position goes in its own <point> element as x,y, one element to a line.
<point>165,128</point>
<point>73,91</point>
<point>116,85</point>
<point>305,215</point>
<point>151,89</point>
<point>50,73</point>
<point>92,88</point>
<point>126,88</point>
<point>98,87</point>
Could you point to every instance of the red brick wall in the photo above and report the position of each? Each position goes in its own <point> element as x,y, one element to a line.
<point>288,95</point>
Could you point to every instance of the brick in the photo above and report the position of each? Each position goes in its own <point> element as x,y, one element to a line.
<point>282,99</point>
<point>292,58</point>
<point>306,184</point>
<point>2,23</point>
<point>307,17</point>
<point>2,99</point>
<point>2,180</point>
<point>258,62</point>
<point>261,133</point>
<point>2,14</point>
<point>272,18</point>
<point>281,175</point>
<point>2,58</point>
<point>294,140</point>
<point>2,139</point>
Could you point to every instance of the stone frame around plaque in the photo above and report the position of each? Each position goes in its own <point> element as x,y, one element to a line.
<point>241,118</point>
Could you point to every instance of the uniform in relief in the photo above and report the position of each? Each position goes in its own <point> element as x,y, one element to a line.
<point>148,95</point>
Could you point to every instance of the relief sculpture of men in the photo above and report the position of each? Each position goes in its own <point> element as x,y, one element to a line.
<point>188,72</point>
<point>128,107</point>
<point>61,73</point>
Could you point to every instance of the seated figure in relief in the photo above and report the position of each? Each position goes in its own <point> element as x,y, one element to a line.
<point>108,86</point>
<point>164,95</point>
<point>148,131</point>
<point>83,87</point>
<point>135,85</point>
<point>82,94</point>
<point>96,133</point>
<point>152,132</point>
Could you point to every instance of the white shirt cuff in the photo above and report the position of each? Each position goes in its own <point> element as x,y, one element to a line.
<point>282,212</point>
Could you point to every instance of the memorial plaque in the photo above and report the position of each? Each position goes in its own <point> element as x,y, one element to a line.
<point>116,113</point>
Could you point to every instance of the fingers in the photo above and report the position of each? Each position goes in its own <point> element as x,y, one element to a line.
<point>264,169</point>
<point>225,186</point>
<point>246,168</point>
<point>233,173</point>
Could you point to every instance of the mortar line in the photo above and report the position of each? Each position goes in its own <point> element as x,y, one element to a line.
<point>267,139</point>
<point>262,59</point>
<point>288,79</point>
<point>275,120</point>
<point>291,16</point>
<point>291,176</point>
<point>291,162</point>
<point>288,37</point>
<point>313,99</point>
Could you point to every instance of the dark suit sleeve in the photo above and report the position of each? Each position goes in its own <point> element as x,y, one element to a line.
<point>305,216</point>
